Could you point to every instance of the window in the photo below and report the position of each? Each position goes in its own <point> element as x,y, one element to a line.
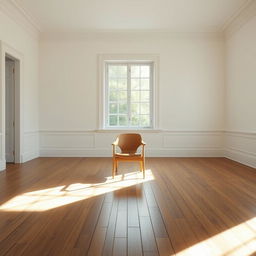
<point>128,95</point>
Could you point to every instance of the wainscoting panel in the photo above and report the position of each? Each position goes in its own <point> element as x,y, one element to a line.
<point>77,140</point>
<point>67,143</point>
<point>241,147</point>
<point>193,140</point>
<point>159,143</point>
<point>104,140</point>
<point>238,146</point>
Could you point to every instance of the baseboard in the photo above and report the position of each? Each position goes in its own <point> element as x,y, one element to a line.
<point>29,156</point>
<point>241,147</point>
<point>31,146</point>
<point>241,157</point>
<point>185,152</point>
<point>24,158</point>
<point>2,165</point>
<point>150,152</point>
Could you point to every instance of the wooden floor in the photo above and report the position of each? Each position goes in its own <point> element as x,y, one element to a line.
<point>185,206</point>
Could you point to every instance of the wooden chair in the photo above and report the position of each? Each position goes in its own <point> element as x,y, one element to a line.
<point>128,143</point>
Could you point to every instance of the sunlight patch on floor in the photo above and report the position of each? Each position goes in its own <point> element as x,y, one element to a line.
<point>237,241</point>
<point>46,199</point>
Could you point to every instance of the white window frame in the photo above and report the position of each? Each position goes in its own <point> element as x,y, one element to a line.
<point>104,60</point>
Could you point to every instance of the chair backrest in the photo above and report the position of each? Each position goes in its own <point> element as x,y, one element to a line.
<point>129,142</point>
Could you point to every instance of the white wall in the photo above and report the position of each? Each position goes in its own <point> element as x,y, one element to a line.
<point>203,107</point>
<point>190,92</point>
<point>241,94</point>
<point>198,114</point>
<point>25,42</point>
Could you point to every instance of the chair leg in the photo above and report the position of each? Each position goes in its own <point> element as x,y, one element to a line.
<point>143,167</point>
<point>116,166</point>
<point>113,168</point>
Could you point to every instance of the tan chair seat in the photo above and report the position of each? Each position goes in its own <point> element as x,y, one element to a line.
<point>130,155</point>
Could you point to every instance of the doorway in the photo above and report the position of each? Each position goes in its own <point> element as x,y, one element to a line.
<point>9,109</point>
<point>11,105</point>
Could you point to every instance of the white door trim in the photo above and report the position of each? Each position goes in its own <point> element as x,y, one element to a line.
<point>6,50</point>
<point>9,110</point>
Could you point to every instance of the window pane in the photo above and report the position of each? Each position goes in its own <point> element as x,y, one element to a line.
<point>135,108</point>
<point>144,84</point>
<point>123,108</point>
<point>122,84</point>
<point>113,96</point>
<point>135,96</point>
<point>144,71</point>
<point>122,71</point>
<point>144,120</point>
<point>144,108</point>
<point>128,95</point>
<point>123,120</point>
<point>144,95</point>
<point>118,71</point>
<point>112,71</point>
<point>135,120</point>
<point>135,71</point>
<point>122,95</point>
<point>135,84</point>
<point>112,84</point>
<point>113,108</point>
<point>112,120</point>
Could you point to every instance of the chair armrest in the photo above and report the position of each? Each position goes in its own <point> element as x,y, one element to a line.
<point>115,143</point>
<point>143,144</point>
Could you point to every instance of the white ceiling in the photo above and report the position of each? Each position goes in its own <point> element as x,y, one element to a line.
<point>171,15</point>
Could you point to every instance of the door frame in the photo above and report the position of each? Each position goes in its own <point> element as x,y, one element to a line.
<point>10,106</point>
<point>18,58</point>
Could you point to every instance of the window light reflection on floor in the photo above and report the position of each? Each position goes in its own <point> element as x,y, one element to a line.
<point>239,240</point>
<point>46,199</point>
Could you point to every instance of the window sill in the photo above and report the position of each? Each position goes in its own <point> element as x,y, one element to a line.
<point>150,130</point>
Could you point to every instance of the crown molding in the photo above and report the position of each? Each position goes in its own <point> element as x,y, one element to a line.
<point>14,10</point>
<point>30,18</point>
<point>128,35</point>
<point>239,18</point>
<point>230,19</point>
